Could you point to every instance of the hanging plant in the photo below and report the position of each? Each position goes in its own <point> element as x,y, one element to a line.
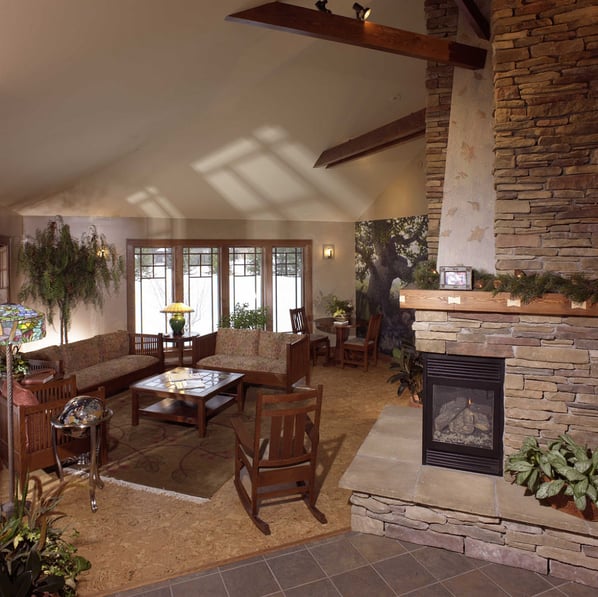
<point>61,271</point>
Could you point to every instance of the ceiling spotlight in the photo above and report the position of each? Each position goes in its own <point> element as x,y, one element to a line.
<point>360,12</point>
<point>321,6</point>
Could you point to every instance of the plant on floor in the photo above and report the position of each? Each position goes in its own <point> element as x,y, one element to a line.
<point>34,557</point>
<point>244,317</point>
<point>563,467</point>
<point>61,271</point>
<point>407,362</point>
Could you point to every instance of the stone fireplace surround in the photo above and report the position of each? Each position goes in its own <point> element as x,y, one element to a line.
<point>551,378</point>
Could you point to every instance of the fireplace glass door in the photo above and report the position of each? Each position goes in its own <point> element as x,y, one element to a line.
<point>463,412</point>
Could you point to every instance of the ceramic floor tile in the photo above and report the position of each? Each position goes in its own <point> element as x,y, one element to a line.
<point>442,563</point>
<point>374,548</point>
<point>254,580</point>
<point>295,569</point>
<point>516,581</point>
<point>362,581</point>
<point>473,584</point>
<point>210,585</point>
<point>337,557</point>
<point>320,588</point>
<point>404,573</point>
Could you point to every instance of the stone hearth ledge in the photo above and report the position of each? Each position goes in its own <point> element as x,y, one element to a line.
<point>395,495</point>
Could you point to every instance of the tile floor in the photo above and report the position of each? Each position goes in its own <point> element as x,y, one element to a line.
<point>360,565</point>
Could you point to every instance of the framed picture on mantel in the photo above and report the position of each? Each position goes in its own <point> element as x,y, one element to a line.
<point>456,277</point>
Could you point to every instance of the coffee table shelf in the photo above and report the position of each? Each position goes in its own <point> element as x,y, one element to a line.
<point>190,396</point>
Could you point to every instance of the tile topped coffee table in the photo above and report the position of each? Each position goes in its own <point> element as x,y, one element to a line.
<point>187,396</point>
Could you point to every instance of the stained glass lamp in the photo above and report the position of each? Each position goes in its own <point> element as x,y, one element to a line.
<point>18,324</point>
<point>177,321</point>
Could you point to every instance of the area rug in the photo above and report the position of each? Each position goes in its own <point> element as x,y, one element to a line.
<point>170,457</point>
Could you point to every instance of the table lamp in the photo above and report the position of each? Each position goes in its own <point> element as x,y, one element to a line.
<point>18,324</point>
<point>177,321</point>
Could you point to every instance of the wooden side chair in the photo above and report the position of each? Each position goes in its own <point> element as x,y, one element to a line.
<point>318,343</point>
<point>357,351</point>
<point>33,447</point>
<point>278,457</point>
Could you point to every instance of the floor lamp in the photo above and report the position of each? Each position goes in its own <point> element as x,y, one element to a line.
<point>18,325</point>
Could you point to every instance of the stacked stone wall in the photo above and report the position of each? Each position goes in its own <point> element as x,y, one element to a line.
<point>542,549</point>
<point>442,18</point>
<point>551,368</point>
<point>546,135</point>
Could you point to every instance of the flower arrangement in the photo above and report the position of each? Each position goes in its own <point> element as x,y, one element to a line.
<point>337,307</point>
<point>20,367</point>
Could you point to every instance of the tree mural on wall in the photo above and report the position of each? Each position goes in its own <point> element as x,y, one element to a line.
<point>386,253</point>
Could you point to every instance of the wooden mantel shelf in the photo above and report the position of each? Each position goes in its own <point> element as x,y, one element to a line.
<point>476,301</point>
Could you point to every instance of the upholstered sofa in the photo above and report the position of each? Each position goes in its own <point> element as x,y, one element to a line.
<point>113,360</point>
<point>277,359</point>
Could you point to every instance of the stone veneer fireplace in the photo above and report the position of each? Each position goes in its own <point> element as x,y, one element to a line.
<point>549,351</point>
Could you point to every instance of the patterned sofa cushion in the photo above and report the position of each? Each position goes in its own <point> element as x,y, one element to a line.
<point>81,354</point>
<point>49,353</point>
<point>230,341</point>
<point>272,345</point>
<point>244,363</point>
<point>100,373</point>
<point>113,345</point>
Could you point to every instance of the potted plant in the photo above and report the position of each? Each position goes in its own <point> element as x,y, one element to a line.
<point>20,367</point>
<point>340,309</point>
<point>407,362</point>
<point>243,317</point>
<point>35,559</point>
<point>562,473</point>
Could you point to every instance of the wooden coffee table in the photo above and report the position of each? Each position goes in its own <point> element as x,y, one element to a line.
<point>187,395</point>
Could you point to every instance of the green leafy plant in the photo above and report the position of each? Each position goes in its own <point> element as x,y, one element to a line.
<point>335,306</point>
<point>564,466</point>
<point>35,559</point>
<point>407,362</point>
<point>20,366</point>
<point>244,317</point>
<point>61,271</point>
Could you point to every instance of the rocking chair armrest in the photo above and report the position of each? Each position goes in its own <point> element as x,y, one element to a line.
<point>243,434</point>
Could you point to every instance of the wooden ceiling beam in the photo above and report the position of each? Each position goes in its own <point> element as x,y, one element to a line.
<point>475,17</point>
<point>313,23</point>
<point>401,130</point>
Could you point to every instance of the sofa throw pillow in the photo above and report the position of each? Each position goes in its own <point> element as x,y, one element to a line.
<point>81,354</point>
<point>231,341</point>
<point>20,396</point>
<point>113,345</point>
<point>271,344</point>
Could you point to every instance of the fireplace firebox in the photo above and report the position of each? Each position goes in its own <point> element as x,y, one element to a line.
<point>463,412</point>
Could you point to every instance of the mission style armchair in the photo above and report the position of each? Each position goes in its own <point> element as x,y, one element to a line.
<point>33,409</point>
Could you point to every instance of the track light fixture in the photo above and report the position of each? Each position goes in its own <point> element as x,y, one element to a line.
<point>360,12</point>
<point>321,6</point>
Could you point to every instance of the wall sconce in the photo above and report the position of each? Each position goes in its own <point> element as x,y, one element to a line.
<point>360,12</point>
<point>328,251</point>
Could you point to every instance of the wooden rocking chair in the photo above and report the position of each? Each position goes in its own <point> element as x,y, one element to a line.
<point>279,456</point>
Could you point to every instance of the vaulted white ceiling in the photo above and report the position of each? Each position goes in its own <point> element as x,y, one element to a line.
<point>162,108</point>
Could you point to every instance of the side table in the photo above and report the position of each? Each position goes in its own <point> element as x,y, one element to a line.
<point>89,427</point>
<point>179,344</point>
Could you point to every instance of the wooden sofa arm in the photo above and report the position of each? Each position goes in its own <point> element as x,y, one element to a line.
<point>298,361</point>
<point>150,344</point>
<point>203,346</point>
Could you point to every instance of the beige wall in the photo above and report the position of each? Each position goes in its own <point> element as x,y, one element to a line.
<point>337,276</point>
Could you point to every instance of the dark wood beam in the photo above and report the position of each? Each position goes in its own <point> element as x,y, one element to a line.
<point>313,23</point>
<point>399,131</point>
<point>475,17</point>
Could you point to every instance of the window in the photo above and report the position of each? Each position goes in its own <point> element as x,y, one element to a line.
<point>212,277</point>
<point>4,269</point>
